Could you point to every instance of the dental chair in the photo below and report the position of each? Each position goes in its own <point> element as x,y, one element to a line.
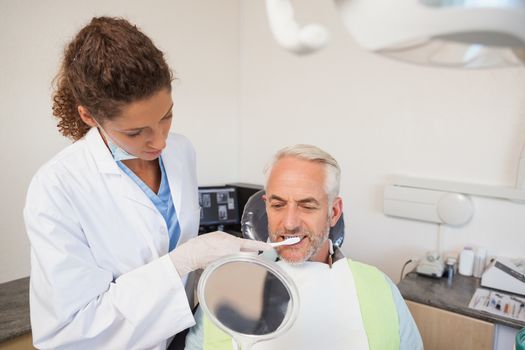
<point>254,222</point>
<point>254,225</point>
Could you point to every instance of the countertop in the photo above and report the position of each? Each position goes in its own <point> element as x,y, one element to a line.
<point>14,309</point>
<point>436,292</point>
<point>454,296</point>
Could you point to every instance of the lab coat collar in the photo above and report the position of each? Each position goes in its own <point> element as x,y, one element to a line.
<point>175,163</point>
<point>106,165</point>
<point>103,159</point>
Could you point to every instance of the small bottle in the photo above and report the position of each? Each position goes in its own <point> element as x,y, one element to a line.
<point>479,262</point>
<point>519,343</point>
<point>452,263</point>
<point>449,268</point>
<point>466,262</point>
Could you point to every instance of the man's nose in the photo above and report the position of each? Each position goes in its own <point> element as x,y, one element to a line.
<point>291,219</point>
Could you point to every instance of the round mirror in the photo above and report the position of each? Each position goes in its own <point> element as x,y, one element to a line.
<point>250,298</point>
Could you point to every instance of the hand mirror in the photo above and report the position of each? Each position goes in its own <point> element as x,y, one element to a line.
<point>248,297</point>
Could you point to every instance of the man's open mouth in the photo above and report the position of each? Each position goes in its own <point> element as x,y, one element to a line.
<point>287,236</point>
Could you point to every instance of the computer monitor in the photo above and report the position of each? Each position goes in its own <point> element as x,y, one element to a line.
<point>219,205</point>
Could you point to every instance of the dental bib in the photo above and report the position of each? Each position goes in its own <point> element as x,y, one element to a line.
<point>329,313</point>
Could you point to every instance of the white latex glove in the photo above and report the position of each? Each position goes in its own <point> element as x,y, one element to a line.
<point>198,252</point>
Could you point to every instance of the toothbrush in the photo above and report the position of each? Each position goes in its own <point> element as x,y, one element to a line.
<point>288,241</point>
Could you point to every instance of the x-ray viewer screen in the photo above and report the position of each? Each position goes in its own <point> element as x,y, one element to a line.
<point>218,205</point>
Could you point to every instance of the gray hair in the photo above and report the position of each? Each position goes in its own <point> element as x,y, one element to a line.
<point>313,154</point>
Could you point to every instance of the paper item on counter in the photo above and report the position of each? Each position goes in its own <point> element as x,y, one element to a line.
<point>498,303</point>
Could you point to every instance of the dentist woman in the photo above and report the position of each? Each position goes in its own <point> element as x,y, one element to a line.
<point>112,218</point>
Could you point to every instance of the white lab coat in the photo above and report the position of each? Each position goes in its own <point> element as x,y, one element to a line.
<point>100,275</point>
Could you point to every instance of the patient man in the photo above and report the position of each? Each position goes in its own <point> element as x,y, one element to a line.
<point>343,304</point>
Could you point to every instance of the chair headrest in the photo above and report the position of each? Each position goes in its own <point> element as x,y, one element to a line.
<point>254,221</point>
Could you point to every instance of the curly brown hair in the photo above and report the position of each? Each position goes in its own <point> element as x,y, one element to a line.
<point>109,64</point>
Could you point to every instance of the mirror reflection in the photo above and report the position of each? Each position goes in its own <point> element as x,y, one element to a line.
<point>247,298</point>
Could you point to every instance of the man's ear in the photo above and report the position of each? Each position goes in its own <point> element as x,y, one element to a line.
<point>86,116</point>
<point>264,198</point>
<point>337,210</point>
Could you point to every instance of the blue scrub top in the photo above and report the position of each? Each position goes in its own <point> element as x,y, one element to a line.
<point>162,201</point>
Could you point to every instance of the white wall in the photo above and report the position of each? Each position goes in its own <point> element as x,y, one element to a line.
<point>201,40</point>
<point>240,98</point>
<point>379,117</point>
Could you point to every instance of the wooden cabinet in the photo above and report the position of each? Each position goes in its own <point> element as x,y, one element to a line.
<point>23,342</point>
<point>442,329</point>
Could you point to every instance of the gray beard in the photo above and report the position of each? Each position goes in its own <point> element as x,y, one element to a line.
<point>312,250</point>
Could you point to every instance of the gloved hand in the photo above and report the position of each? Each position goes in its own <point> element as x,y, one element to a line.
<point>198,252</point>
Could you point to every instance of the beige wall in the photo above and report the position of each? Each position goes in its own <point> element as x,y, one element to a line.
<point>201,40</point>
<point>240,97</point>
<point>378,117</point>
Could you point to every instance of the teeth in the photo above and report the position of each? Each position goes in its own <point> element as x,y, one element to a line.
<point>286,237</point>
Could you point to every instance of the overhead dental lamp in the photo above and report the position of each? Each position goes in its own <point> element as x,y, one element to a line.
<point>449,33</point>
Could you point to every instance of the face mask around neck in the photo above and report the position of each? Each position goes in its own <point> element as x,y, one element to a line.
<point>117,152</point>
